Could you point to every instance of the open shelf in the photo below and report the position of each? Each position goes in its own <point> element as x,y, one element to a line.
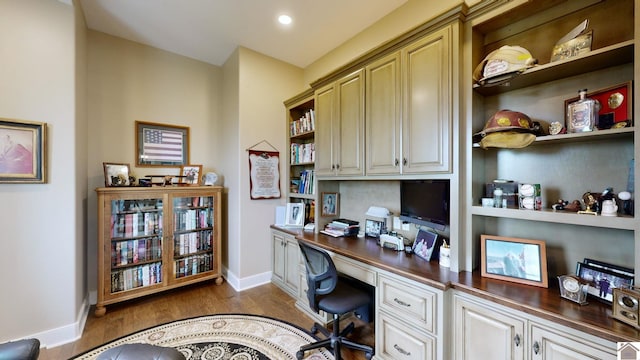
<point>560,217</point>
<point>609,56</point>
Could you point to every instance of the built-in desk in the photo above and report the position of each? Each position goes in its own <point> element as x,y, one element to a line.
<point>414,276</point>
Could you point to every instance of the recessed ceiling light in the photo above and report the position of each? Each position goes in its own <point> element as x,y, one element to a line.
<point>284,19</point>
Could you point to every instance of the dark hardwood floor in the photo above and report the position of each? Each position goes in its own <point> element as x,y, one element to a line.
<point>197,300</point>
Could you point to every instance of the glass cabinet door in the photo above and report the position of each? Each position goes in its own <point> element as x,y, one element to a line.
<point>136,243</point>
<point>193,237</point>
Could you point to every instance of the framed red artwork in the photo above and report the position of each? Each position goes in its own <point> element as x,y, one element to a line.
<point>615,105</point>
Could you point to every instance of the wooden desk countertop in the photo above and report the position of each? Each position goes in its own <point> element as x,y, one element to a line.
<point>594,318</point>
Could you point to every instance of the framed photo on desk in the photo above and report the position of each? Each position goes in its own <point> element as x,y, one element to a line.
<point>373,228</point>
<point>294,214</point>
<point>426,244</point>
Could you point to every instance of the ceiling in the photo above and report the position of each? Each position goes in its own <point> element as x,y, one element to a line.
<point>210,30</point>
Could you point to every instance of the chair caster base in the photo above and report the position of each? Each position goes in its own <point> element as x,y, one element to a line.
<point>300,355</point>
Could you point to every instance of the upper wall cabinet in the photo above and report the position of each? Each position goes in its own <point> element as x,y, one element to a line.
<point>427,107</point>
<point>340,127</point>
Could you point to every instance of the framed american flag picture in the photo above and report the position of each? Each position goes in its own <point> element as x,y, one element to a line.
<point>161,145</point>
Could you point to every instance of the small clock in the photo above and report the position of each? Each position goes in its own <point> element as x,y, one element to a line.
<point>573,288</point>
<point>210,178</point>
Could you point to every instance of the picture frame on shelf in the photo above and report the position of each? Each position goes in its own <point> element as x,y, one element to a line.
<point>615,268</point>
<point>425,244</point>
<point>512,259</point>
<point>615,105</point>
<point>373,228</point>
<point>22,151</point>
<point>116,174</point>
<point>190,174</point>
<point>602,281</point>
<point>330,203</point>
<point>294,215</point>
<point>161,145</point>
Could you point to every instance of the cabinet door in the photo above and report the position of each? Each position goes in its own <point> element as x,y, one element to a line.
<point>397,340</point>
<point>427,120</point>
<point>348,134</point>
<point>382,122</point>
<point>193,236</point>
<point>483,333</point>
<point>279,259</point>
<point>324,100</point>
<point>133,249</point>
<point>551,345</point>
<point>292,254</point>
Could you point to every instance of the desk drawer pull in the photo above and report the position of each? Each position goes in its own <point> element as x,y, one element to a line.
<point>401,350</point>
<point>400,302</point>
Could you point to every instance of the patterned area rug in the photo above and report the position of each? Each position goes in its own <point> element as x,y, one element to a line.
<point>224,337</point>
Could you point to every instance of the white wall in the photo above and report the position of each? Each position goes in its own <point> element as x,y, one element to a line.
<point>260,85</point>
<point>128,81</point>
<point>42,241</point>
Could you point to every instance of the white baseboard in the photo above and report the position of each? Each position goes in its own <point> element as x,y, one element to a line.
<point>67,333</point>
<point>239,284</point>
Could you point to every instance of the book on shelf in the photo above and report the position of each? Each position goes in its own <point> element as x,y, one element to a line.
<point>303,153</point>
<point>306,123</point>
<point>306,182</point>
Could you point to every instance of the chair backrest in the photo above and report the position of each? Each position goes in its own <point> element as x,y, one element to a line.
<point>322,275</point>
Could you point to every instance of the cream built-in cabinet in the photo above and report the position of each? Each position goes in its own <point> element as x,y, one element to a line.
<point>383,116</point>
<point>409,320</point>
<point>427,108</point>
<point>485,330</point>
<point>340,126</point>
<point>409,107</point>
<point>286,258</point>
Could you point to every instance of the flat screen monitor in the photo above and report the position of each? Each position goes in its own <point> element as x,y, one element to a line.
<point>425,202</point>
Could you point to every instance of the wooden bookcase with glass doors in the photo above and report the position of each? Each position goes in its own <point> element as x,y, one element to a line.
<point>156,238</point>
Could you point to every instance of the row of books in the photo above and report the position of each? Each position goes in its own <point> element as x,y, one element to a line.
<point>131,278</point>
<point>192,242</point>
<point>193,219</point>
<point>303,153</point>
<point>136,224</point>
<point>304,184</point>
<point>305,124</point>
<point>194,265</point>
<point>196,201</point>
<point>137,205</point>
<point>135,251</point>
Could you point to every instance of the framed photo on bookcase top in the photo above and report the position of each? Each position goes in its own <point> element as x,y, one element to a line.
<point>190,174</point>
<point>116,174</point>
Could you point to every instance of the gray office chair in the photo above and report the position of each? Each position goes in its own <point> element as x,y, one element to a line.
<point>337,296</point>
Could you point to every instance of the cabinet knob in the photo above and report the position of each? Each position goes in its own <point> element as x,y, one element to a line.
<point>397,162</point>
<point>536,347</point>
<point>516,340</point>
<point>338,166</point>
<point>404,161</point>
<point>401,350</point>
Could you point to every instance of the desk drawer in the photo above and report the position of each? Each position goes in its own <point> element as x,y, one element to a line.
<point>356,271</point>
<point>408,300</point>
<point>401,342</point>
